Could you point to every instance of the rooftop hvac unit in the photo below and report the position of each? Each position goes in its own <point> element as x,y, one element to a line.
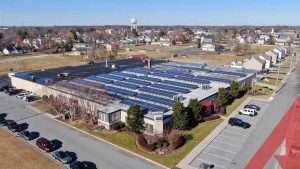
<point>178,98</point>
<point>205,87</point>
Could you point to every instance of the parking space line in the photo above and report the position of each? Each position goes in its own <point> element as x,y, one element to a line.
<point>235,133</point>
<point>230,138</point>
<point>235,128</point>
<point>226,143</point>
<point>223,149</point>
<point>205,161</point>
<point>217,156</point>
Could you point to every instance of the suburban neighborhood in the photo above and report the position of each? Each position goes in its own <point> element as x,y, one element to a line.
<point>137,87</point>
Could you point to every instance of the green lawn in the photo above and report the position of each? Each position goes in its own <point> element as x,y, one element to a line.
<point>194,137</point>
<point>271,81</point>
<point>266,91</point>
<point>235,104</point>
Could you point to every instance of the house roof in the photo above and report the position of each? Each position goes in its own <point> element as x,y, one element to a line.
<point>256,57</point>
<point>267,57</point>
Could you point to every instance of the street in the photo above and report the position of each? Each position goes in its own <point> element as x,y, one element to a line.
<point>84,147</point>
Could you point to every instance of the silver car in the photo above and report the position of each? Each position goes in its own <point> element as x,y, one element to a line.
<point>62,157</point>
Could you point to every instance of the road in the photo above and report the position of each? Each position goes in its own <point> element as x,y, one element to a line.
<point>83,146</point>
<point>277,109</point>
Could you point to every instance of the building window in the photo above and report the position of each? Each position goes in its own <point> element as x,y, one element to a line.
<point>115,117</point>
<point>148,128</point>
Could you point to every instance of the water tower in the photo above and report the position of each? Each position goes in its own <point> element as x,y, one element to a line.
<point>133,24</point>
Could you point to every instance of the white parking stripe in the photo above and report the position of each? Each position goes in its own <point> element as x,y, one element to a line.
<point>223,149</point>
<point>217,156</point>
<point>235,133</point>
<point>231,138</point>
<point>205,161</point>
<point>226,143</point>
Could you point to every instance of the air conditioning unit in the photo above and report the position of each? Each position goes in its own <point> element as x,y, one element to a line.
<point>205,87</point>
<point>178,98</point>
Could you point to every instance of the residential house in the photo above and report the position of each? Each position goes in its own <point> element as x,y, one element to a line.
<point>255,63</point>
<point>282,40</point>
<point>274,56</point>
<point>207,39</point>
<point>261,41</point>
<point>281,53</point>
<point>296,42</point>
<point>210,47</point>
<point>268,60</point>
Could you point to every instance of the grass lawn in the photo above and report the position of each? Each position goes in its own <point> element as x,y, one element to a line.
<point>15,154</point>
<point>274,75</point>
<point>271,81</point>
<point>125,140</point>
<point>235,104</point>
<point>266,91</point>
<point>18,55</point>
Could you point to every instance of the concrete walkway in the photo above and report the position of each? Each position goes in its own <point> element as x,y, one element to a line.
<point>185,162</point>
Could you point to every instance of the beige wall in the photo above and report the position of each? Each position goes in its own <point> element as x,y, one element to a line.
<point>31,86</point>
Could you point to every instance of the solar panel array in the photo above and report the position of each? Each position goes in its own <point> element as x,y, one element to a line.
<point>156,99</point>
<point>182,85</point>
<point>149,79</point>
<point>214,79</point>
<point>111,77</point>
<point>119,91</point>
<point>193,80</point>
<point>122,74</point>
<point>143,105</point>
<point>158,92</point>
<point>230,73</point>
<point>170,88</point>
<point>138,82</point>
<point>126,85</point>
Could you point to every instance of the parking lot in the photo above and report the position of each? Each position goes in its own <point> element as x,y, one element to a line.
<point>82,147</point>
<point>222,150</point>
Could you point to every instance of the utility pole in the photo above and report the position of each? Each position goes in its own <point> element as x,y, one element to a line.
<point>277,78</point>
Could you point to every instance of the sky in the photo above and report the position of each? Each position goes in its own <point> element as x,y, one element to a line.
<point>149,12</point>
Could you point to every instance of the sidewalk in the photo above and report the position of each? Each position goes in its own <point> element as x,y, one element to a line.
<point>185,163</point>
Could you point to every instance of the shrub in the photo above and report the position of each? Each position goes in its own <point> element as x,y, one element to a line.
<point>210,118</point>
<point>143,143</point>
<point>45,99</point>
<point>179,142</point>
<point>118,126</point>
<point>165,144</point>
<point>173,136</point>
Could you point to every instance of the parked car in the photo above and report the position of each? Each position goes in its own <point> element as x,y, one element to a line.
<point>14,127</point>
<point>2,89</point>
<point>28,98</point>
<point>252,106</point>
<point>21,95</point>
<point>25,134</point>
<point>12,92</point>
<point>78,165</point>
<point>206,166</point>
<point>238,122</point>
<point>62,157</point>
<point>62,75</point>
<point>2,121</point>
<point>295,150</point>
<point>45,144</point>
<point>8,123</point>
<point>249,112</point>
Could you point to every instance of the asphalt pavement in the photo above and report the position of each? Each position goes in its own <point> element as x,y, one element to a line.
<point>84,147</point>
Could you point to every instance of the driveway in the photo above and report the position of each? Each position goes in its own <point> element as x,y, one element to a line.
<point>84,147</point>
<point>223,149</point>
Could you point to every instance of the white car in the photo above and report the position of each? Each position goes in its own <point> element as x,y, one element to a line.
<point>247,111</point>
<point>22,95</point>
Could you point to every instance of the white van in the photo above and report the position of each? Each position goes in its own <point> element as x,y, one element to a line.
<point>247,111</point>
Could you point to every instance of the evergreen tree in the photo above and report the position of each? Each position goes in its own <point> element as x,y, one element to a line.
<point>222,96</point>
<point>180,116</point>
<point>194,112</point>
<point>234,90</point>
<point>135,119</point>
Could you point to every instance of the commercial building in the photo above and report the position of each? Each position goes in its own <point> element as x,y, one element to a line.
<point>155,88</point>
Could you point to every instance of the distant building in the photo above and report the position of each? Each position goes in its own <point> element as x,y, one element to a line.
<point>255,63</point>
<point>281,53</point>
<point>274,56</point>
<point>133,24</point>
<point>210,47</point>
<point>261,41</point>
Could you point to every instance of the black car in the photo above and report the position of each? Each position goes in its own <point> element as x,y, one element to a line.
<point>8,123</point>
<point>252,106</point>
<point>15,127</point>
<point>25,134</point>
<point>2,121</point>
<point>4,88</point>
<point>78,165</point>
<point>29,98</point>
<point>12,92</point>
<point>238,122</point>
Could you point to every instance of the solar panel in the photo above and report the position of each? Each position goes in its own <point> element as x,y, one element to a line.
<point>156,99</point>
<point>213,79</point>
<point>122,74</point>
<point>126,85</point>
<point>158,92</point>
<point>170,88</point>
<point>143,105</point>
<point>139,70</point>
<point>138,82</point>
<point>230,73</point>
<point>97,79</point>
<point>193,80</point>
<point>163,75</point>
<point>149,79</point>
<point>183,85</point>
<point>111,77</point>
<point>119,91</point>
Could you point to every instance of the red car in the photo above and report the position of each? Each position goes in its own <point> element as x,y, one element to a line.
<point>45,144</point>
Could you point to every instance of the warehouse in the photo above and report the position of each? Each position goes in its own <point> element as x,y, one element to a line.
<point>154,88</point>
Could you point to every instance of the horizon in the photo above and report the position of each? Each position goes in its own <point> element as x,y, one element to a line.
<point>150,13</point>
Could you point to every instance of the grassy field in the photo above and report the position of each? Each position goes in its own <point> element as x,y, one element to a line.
<point>15,154</point>
<point>2,56</point>
<point>41,63</point>
<point>235,104</point>
<point>194,137</point>
<point>265,91</point>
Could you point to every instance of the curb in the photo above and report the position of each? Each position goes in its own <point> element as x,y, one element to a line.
<point>112,144</point>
